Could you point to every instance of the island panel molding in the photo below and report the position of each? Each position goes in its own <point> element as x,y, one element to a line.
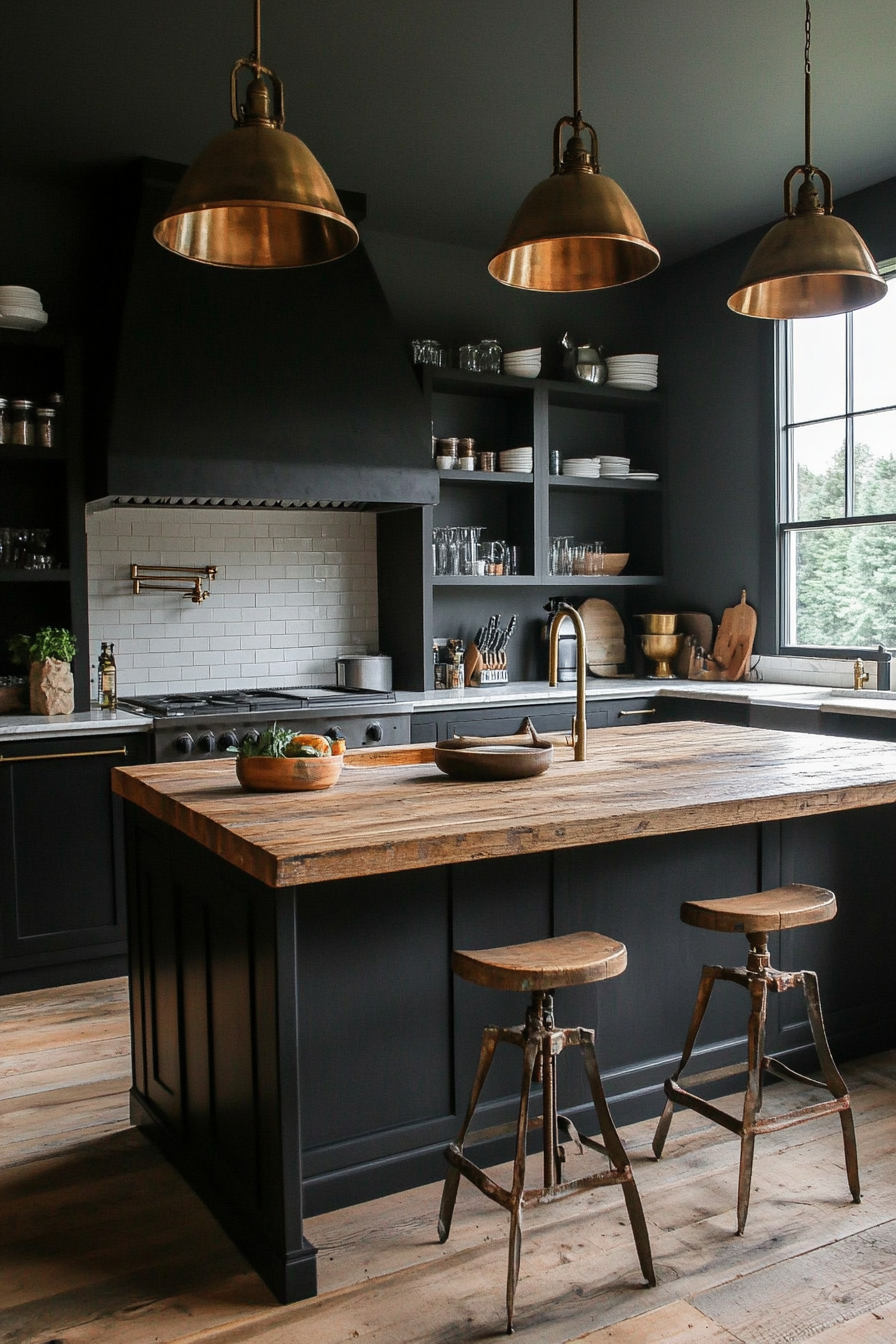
<point>645,780</point>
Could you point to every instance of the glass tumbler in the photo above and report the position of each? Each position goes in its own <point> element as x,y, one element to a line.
<point>468,358</point>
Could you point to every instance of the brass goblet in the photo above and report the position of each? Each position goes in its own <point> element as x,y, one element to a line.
<point>659,649</point>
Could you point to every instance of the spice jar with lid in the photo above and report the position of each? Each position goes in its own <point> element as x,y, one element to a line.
<point>21,423</point>
<point>45,417</point>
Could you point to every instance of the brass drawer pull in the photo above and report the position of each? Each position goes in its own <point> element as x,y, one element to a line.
<point>63,755</point>
<point>624,713</point>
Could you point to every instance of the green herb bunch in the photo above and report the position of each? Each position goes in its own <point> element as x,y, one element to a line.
<point>272,742</point>
<point>51,642</point>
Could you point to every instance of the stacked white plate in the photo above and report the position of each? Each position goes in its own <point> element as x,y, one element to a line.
<point>580,466</point>
<point>21,308</point>
<point>637,372</point>
<point>643,475</point>
<point>613,466</point>
<point>516,459</point>
<point>523,363</point>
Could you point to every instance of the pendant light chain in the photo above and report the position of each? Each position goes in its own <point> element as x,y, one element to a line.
<point>808,87</point>
<point>576,83</point>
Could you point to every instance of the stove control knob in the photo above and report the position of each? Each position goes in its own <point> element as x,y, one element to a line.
<point>335,732</point>
<point>183,744</point>
<point>228,739</point>
<point>374,732</point>
<point>251,736</point>
<point>206,742</point>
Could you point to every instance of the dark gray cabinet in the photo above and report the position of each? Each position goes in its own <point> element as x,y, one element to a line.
<point>62,904</point>
<point>499,720</point>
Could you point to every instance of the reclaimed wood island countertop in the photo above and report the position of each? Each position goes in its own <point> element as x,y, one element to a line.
<point>652,779</point>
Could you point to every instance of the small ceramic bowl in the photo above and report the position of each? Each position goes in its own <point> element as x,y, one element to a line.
<point>287,774</point>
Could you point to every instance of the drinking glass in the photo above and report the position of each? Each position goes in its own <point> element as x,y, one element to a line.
<point>561,555</point>
<point>468,358</point>
<point>489,356</point>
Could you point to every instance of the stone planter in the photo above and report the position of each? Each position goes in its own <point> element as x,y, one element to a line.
<point>52,688</point>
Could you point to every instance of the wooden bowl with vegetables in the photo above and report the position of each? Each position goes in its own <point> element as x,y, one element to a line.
<point>283,761</point>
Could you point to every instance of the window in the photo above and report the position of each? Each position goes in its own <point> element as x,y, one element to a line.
<point>837,478</point>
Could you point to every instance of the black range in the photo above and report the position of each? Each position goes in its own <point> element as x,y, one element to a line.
<point>206,723</point>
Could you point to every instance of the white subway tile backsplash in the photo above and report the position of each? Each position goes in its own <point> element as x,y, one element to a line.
<point>290,596</point>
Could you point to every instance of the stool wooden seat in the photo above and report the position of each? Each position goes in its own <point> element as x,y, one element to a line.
<point>540,967</point>
<point>765,912</point>
<point>551,963</point>
<point>757,916</point>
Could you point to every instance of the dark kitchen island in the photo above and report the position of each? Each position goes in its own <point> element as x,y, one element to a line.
<point>299,1043</point>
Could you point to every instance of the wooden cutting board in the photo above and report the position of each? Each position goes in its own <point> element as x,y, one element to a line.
<point>734,642</point>
<point>698,625</point>
<point>605,636</point>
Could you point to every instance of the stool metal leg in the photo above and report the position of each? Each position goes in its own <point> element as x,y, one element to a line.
<point>707,982</point>
<point>490,1039</point>
<point>752,1097</point>
<point>519,1180</point>
<point>835,1081</point>
<point>619,1158</point>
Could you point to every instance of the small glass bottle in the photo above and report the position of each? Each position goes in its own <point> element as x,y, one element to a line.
<point>107,678</point>
<point>22,423</point>
<point>45,416</point>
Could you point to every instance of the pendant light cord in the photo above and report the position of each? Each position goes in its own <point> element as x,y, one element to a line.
<point>808,88</point>
<point>576,88</point>
<point>256,51</point>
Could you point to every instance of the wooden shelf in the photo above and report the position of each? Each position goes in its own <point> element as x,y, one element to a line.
<point>9,574</point>
<point>14,452</point>
<point>560,392</point>
<point>553,581</point>
<point>487,477</point>
<point>601,483</point>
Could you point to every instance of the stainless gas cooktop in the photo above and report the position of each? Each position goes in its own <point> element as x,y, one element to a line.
<point>279,700</point>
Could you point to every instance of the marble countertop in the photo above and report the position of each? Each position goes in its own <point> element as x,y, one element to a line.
<point>21,727</point>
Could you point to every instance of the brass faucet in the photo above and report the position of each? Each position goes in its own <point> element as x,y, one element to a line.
<point>579,725</point>
<point>859,676</point>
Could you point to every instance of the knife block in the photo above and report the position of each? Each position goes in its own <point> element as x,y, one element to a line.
<point>480,669</point>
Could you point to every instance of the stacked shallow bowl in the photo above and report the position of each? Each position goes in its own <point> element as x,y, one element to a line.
<point>614,466</point>
<point>581,466</point>
<point>21,308</point>
<point>516,459</point>
<point>636,372</point>
<point>523,363</point>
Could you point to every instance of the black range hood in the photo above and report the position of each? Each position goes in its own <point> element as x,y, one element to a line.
<point>285,387</point>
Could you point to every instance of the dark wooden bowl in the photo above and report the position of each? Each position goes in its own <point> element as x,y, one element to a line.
<point>482,763</point>
<point>287,774</point>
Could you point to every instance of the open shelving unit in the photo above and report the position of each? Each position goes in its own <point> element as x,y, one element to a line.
<point>43,487</point>
<point>522,509</point>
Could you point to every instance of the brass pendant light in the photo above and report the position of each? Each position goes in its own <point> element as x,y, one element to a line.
<point>256,197</point>
<point>577,230</point>
<point>810,264</point>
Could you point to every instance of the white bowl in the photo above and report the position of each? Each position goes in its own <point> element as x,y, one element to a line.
<point>31,321</point>
<point>533,352</point>
<point>19,294</point>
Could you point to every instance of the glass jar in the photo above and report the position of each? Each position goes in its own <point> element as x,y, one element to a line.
<point>45,418</point>
<point>468,358</point>
<point>427,352</point>
<point>21,423</point>
<point>4,420</point>
<point>489,356</point>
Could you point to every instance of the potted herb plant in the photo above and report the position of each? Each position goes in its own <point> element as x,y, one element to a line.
<point>48,654</point>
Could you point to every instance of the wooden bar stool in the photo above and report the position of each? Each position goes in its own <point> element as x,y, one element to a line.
<point>758,916</point>
<point>540,968</point>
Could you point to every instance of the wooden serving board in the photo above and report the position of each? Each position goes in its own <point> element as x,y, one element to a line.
<point>734,642</point>
<point>605,636</point>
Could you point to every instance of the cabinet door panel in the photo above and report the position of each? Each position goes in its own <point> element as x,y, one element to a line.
<point>61,885</point>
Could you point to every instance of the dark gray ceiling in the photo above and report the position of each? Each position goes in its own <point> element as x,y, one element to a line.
<point>442,110</point>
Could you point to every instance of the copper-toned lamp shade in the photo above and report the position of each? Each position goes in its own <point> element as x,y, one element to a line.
<point>256,197</point>
<point>810,264</point>
<point>577,230</point>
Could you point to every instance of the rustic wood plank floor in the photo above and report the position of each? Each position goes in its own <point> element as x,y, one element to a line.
<point>101,1242</point>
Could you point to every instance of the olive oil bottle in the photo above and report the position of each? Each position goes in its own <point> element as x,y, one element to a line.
<point>107,678</point>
